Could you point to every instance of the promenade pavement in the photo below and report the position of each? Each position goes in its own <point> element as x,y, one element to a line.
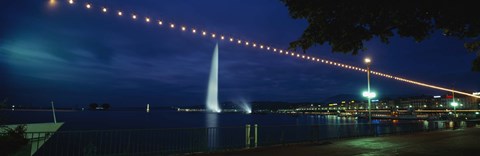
<point>448,142</point>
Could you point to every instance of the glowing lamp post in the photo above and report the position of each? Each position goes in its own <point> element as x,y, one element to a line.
<point>369,94</point>
<point>454,105</point>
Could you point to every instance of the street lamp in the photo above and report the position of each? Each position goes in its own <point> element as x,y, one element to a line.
<point>369,94</point>
<point>454,105</point>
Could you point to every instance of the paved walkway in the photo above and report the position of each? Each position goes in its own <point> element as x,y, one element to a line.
<point>450,142</point>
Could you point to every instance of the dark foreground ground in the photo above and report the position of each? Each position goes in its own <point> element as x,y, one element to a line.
<point>450,142</point>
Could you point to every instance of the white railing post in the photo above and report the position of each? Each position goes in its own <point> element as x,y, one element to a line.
<point>247,136</point>
<point>256,135</point>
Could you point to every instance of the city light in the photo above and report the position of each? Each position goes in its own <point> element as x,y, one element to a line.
<point>104,9</point>
<point>367,60</point>
<point>52,3</point>
<point>120,13</point>
<point>454,104</point>
<point>369,94</point>
<point>147,19</point>
<point>323,61</point>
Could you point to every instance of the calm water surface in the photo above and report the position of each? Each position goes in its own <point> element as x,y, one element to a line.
<point>103,120</point>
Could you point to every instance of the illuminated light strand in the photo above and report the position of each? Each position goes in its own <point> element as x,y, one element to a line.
<point>313,59</point>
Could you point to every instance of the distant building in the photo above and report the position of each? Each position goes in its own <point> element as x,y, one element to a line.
<point>438,102</point>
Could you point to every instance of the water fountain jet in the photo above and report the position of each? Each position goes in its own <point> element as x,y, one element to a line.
<point>212,92</point>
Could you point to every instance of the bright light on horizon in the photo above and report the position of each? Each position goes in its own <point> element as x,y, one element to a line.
<point>369,94</point>
<point>454,104</point>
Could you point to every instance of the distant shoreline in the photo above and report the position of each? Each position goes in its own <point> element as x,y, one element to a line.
<point>39,110</point>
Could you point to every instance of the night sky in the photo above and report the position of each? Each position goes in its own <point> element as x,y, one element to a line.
<point>77,56</point>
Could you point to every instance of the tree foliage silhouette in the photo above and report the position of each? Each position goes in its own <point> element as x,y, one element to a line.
<point>346,25</point>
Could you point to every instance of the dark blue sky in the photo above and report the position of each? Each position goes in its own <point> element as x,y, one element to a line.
<point>78,56</point>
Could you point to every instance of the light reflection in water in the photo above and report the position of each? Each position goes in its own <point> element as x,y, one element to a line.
<point>212,131</point>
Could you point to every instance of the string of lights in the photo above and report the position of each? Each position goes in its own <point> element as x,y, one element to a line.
<point>256,45</point>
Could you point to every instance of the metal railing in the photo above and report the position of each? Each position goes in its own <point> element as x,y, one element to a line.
<point>191,140</point>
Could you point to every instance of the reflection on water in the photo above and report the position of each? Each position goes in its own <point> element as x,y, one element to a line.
<point>212,133</point>
<point>104,120</point>
<point>212,120</point>
<point>326,119</point>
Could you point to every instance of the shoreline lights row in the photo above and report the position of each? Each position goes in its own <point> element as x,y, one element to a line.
<point>256,45</point>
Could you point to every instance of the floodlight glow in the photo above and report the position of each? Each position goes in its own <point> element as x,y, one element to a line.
<point>454,104</point>
<point>369,94</point>
<point>88,6</point>
<point>104,9</point>
<point>120,13</point>
<point>70,1</point>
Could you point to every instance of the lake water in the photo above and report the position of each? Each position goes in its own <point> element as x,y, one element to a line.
<point>108,120</point>
<point>101,120</point>
<point>141,133</point>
